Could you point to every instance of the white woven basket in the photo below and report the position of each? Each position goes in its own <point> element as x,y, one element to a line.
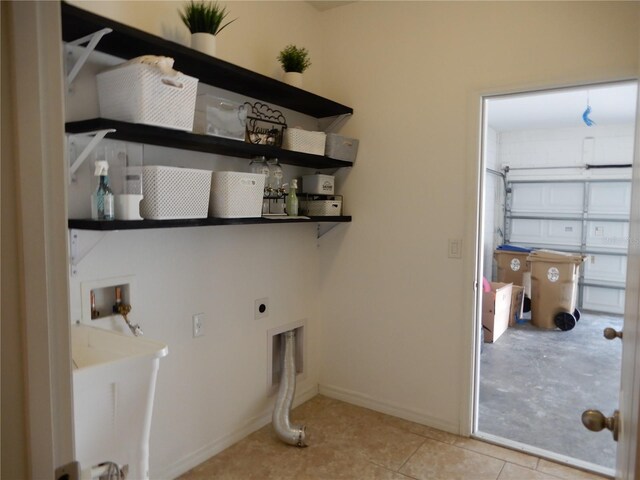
<point>321,208</point>
<point>236,195</point>
<point>141,93</point>
<point>304,141</point>
<point>174,193</point>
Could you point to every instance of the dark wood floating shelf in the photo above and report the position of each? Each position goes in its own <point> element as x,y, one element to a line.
<point>127,42</point>
<point>85,224</point>
<point>135,132</point>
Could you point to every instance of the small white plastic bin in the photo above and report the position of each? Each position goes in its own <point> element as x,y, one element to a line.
<point>322,208</point>
<point>300,140</point>
<point>236,195</point>
<point>141,93</point>
<point>318,184</point>
<point>220,117</point>
<point>174,193</point>
<point>341,148</point>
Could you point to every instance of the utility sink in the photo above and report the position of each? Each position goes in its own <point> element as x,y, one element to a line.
<point>114,379</point>
<point>94,347</point>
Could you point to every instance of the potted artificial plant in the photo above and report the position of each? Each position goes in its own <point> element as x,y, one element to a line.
<point>294,62</point>
<point>204,21</point>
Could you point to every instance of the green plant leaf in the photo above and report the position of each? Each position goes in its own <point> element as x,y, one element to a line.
<point>205,17</point>
<point>294,59</point>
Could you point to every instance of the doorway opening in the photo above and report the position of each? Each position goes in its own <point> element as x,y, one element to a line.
<point>556,176</point>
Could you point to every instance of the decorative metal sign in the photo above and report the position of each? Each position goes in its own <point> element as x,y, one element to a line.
<point>265,126</point>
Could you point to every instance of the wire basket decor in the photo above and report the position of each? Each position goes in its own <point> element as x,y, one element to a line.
<point>265,126</point>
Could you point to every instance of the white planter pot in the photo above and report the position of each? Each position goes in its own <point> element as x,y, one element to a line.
<point>204,42</point>
<point>292,78</point>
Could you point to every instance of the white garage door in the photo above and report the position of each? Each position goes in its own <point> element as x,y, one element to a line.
<point>589,217</point>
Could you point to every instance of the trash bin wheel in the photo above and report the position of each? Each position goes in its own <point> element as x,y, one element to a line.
<point>565,321</point>
<point>527,305</point>
<point>576,313</point>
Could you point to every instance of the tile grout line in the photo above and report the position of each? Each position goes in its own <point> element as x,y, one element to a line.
<point>392,470</point>
<point>504,464</point>
<point>409,457</point>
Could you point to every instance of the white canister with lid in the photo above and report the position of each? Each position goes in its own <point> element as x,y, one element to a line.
<point>318,184</point>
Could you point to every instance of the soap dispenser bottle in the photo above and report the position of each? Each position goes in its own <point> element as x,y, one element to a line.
<point>292,199</point>
<point>102,206</point>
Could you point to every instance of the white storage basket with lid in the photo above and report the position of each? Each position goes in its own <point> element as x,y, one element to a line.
<point>144,93</point>
<point>236,194</point>
<point>174,193</point>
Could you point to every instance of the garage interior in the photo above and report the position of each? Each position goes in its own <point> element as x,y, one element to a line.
<point>558,177</point>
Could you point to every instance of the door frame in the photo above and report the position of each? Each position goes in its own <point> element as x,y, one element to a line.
<point>629,446</point>
<point>37,126</point>
<point>627,464</point>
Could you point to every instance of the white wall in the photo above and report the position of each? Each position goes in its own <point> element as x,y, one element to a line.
<point>493,223</point>
<point>211,390</point>
<point>397,313</point>
<point>597,145</point>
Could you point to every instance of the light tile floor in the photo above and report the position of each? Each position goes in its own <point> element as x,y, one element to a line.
<point>349,442</point>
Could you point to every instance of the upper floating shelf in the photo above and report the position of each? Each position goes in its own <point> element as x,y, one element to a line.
<point>86,224</point>
<point>164,137</point>
<point>127,42</point>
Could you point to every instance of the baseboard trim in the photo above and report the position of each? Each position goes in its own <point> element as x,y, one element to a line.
<point>363,400</point>
<point>207,451</point>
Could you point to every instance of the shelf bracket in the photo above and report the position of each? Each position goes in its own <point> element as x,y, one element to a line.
<point>80,248</point>
<point>333,124</point>
<point>324,228</point>
<point>92,42</point>
<point>98,136</point>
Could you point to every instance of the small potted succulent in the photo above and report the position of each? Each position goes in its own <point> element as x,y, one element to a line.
<point>294,61</point>
<point>204,21</point>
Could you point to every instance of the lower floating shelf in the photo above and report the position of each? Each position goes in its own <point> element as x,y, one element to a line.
<point>86,224</point>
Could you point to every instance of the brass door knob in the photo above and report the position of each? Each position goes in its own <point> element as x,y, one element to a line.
<point>595,421</point>
<point>611,333</point>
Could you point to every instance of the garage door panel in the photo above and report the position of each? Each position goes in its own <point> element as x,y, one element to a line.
<point>610,235</point>
<point>562,233</point>
<point>606,268</point>
<point>547,198</point>
<point>610,198</point>
<point>601,299</point>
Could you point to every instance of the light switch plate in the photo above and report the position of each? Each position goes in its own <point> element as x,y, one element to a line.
<point>455,248</point>
<point>198,325</point>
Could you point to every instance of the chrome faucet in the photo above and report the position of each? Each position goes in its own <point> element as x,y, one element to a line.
<point>124,309</point>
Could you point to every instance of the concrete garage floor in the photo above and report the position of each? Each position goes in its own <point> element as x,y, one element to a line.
<point>535,384</point>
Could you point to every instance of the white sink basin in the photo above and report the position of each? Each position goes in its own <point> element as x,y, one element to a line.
<point>92,347</point>
<point>114,381</point>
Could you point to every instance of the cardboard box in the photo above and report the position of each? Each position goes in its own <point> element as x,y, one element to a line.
<point>517,304</point>
<point>496,305</point>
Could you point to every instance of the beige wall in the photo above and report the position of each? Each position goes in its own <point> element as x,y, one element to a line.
<point>253,41</point>
<point>14,429</point>
<point>397,313</point>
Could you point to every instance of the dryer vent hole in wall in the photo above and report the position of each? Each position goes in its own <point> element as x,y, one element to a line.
<point>277,355</point>
<point>261,308</point>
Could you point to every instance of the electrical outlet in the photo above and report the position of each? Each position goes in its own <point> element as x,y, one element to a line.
<point>198,325</point>
<point>261,308</point>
